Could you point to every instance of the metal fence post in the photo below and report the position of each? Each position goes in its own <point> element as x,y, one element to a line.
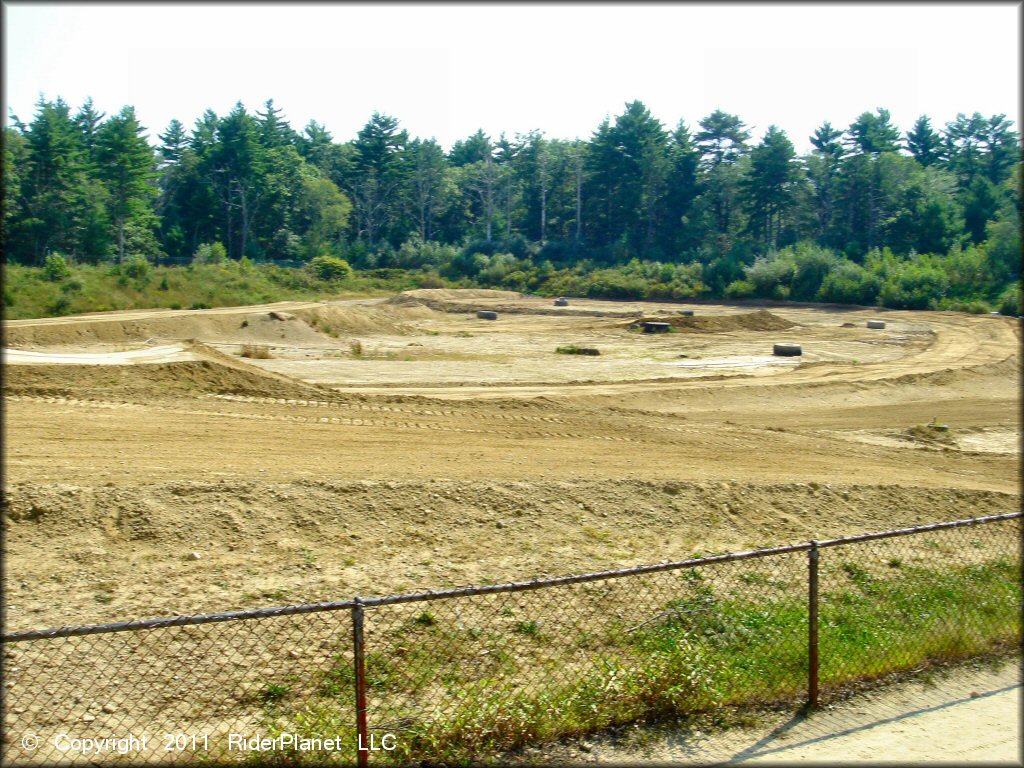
<point>812,625</point>
<point>359,661</point>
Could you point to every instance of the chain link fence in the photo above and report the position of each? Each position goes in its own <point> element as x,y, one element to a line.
<point>472,673</point>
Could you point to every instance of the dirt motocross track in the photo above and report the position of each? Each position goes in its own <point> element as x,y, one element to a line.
<point>405,444</point>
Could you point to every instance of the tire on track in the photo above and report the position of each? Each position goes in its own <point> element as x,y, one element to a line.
<point>787,350</point>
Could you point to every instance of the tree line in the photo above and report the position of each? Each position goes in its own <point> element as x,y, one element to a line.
<point>731,214</point>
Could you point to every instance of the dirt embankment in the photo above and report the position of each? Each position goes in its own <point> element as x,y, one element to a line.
<point>301,324</point>
<point>319,540</point>
<point>762,320</point>
<point>503,302</point>
<point>142,382</point>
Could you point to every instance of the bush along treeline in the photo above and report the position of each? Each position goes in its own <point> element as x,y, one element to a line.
<point>925,219</point>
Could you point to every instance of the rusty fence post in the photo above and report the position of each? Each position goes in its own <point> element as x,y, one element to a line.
<point>812,625</point>
<point>359,662</point>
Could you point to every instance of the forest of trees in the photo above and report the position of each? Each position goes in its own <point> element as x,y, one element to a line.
<point>929,218</point>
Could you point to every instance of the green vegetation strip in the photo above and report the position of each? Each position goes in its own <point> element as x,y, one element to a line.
<point>458,695</point>
<point>31,292</point>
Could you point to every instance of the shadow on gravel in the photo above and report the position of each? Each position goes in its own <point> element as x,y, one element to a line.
<point>957,714</point>
<point>826,723</point>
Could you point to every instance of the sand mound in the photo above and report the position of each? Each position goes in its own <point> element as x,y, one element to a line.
<point>336,320</point>
<point>1007,370</point>
<point>238,326</point>
<point>762,320</point>
<point>449,299</point>
<point>219,374</point>
<point>311,325</point>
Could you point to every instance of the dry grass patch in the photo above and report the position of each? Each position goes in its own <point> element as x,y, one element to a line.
<point>256,351</point>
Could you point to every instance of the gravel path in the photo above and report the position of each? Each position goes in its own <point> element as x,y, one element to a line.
<point>969,714</point>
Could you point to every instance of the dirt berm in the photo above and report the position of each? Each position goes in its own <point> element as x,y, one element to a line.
<point>467,300</point>
<point>214,373</point>
<point>762,320</point>
<point>301,324</point>
<point>322,540</point>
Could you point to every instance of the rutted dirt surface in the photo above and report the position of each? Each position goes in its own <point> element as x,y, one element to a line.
<point>405,444</point>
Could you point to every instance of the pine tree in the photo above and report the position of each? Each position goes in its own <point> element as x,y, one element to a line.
<point>823,167</point>
<point>769,185</point>
<point>54,182</point>
<point>377,174</point>
<point>924,144</point>
<point>127,167</point>
<point>88,120</point>
<point>873,133</point>
<point>174,142</point>
<point>427,184</point>
<point>274,129</point>
<point>722,144</point>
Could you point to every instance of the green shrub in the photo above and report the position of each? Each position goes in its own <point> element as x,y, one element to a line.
<point>72,285</point>
<point>974,307</point>
<point>769,273</point>
<point>61,306</point>
<point>136,268</point>
<point>210,253</point>
<point>55,268</point>
<point>916,287</point>
<point>1009,301</point>
<point>739,289</point>
<point>813,264</point>
<point>330,268</point>
<point>849,283</point>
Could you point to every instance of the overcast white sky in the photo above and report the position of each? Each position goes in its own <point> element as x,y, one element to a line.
<point>446,70</point>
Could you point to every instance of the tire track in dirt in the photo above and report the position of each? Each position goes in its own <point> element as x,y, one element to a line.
<point>344,421</point>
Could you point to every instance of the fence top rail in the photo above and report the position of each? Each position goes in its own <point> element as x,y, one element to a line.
<point>175,621</point>
<point>916,529</point>
<point>514,586</point>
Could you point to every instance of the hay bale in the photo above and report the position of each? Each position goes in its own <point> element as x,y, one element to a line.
<point>487,314</point>
<point>275,315</point>
<point>561,302</point>
<point>650,327</point>
<point>876,323</point>
<point>787,350</point>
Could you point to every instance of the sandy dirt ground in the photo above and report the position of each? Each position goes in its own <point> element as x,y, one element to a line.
<point>406,444</point>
